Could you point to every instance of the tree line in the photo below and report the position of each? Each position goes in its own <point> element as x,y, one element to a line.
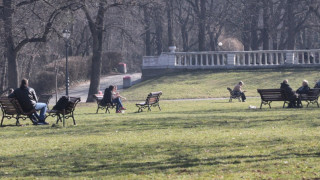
<point>31,30</point>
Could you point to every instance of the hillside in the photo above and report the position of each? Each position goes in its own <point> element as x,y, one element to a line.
<point>213,84</point>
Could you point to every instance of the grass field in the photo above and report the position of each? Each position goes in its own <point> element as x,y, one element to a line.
<point>186,140</point>
<point>213,83</point>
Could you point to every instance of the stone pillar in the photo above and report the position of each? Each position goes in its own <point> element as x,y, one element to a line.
<point>231,59</point>
<point>290,58</point>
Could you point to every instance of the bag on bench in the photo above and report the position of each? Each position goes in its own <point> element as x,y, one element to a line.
<point>61,104</point>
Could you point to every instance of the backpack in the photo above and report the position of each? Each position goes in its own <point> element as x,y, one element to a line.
<point>62,103</point>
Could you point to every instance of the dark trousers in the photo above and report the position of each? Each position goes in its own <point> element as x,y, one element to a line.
<point>243,96</point>
<point>118,103</point>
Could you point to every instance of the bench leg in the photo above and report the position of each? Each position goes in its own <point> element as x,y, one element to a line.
<point>239,99</point>
<point>2,120</point>
<point>261,105</point>
<point>159,107</point>
<point>107,110</point>
<point>74,121</point>
<point>149,108</point>
<point>17,121</point>
<point>230,100</point>
<point>97,110</point>
<point>269,104</point>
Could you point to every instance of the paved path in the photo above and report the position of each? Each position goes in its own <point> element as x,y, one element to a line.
<point>81,90</point>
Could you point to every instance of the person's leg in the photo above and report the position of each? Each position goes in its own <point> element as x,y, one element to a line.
<point>116,101</point>
<point>243,97</point>
<point>43,109</point>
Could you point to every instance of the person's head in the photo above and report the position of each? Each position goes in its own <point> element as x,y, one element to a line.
<point>285,81</point>
<point>305,83</point>
<point>111,88</point>
<point>241,83</point>
<point>10,90</point>
<point>24,83</point>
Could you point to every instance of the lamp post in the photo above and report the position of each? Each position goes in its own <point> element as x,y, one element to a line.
<point>66,35</point>
<point>220,46</point>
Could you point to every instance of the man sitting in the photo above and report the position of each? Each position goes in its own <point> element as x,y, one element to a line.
<point>237,90</point>
<point>28,100</point>
<point>304,89</point>
<point>291,95</point>
<point>317,85</point>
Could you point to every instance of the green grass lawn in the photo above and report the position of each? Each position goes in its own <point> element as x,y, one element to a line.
<point>213,83</point>
<point>186,140</point>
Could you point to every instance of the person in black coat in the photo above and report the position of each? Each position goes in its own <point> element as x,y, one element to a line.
<point>28,100</point>
<point>291,95</point>
<point>317,85</point>
<point>304,89</point>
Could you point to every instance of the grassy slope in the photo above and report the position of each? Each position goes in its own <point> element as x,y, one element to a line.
<point>208,84</point>
<point>187,140</point>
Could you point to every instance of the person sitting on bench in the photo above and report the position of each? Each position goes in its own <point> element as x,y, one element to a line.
<point>237,90</point>
<point>317,85</point>
<point>291,95</point>
<point>304,89</point>
<point>28,100</point>
<point>110,93</point>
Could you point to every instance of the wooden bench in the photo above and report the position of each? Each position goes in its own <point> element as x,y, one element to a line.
<point>312,96</point>
<point>11,109</point>
<point>270,95</point>
<point>67,112</point>
<point>152,100</point>
<point>234,95</point>
<point>45,98</point>
<point>98,98</point>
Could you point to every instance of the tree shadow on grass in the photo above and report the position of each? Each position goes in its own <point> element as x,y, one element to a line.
<point>99,160</point>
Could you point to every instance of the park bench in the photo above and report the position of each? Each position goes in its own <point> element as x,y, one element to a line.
<point>98,98</point>
<point>67,112</point>
<point>11,109</point>
<point>312,97</point>
<point>152,100</point>
<point>45,98</point>
<point>234,95</point>
<point>270,95</point>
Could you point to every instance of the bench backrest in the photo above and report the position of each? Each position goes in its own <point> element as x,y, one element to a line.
<point>153,98</point>
<point>7,107</point>
<point>312,95</point>
<point>73,101</point>
<point>45,98</point>
<point>18,107</point>
<point>272,94</point>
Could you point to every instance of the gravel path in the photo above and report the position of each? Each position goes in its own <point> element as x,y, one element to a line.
<point>81,90</point>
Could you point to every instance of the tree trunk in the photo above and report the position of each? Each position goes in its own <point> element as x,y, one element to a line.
<point>291,36</point>
<point>147,31</point>
<point>96,29</point>
<point>159,31</point>
<point>11,55</point>
<point>265,31</point>
<point>202,26</point>
<point>170,22</point>
<point>185,38</point>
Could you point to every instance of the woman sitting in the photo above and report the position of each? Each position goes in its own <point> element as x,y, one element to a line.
<point>114,97</point>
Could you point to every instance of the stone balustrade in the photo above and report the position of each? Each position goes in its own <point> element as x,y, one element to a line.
<point>232,59</point>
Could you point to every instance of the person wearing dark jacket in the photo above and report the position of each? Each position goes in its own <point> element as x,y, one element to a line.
<point>304,89</point>
<point>28,100</point>
<point>291,95</point>
<point>317,85</point>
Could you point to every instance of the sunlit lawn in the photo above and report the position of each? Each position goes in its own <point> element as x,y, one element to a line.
<point>214,83</point>
<point>186,140</point>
